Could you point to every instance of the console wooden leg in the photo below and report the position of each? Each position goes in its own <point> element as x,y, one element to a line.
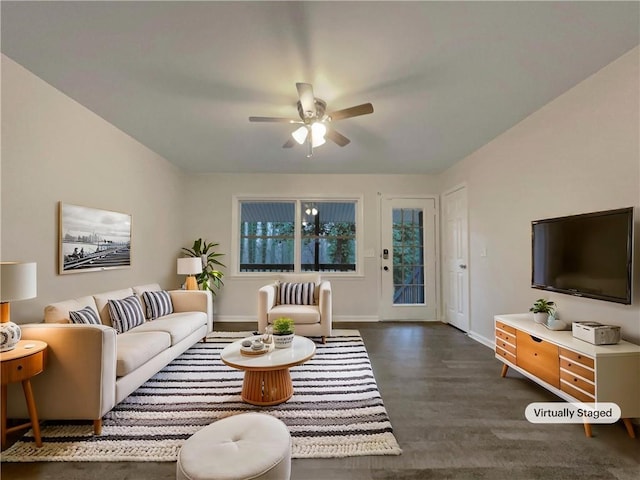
<point>505,367</point>
<point>97,427</point>
<point>629,426</point>
<point>33,413</point>
<point>587,429</point>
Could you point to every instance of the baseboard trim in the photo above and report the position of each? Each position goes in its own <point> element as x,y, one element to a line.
<point>234,319</point>
<point>355,318</point>
<point>484,340</point>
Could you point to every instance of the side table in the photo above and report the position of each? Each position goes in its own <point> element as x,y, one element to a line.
<point>26,360</point>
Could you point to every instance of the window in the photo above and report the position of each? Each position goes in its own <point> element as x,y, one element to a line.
<point>328,236</point>
<point>267,236</point>
<point>297,235</point>
<point>408,256</point>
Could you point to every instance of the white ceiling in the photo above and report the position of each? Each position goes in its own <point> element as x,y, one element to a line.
<point>444,77</point>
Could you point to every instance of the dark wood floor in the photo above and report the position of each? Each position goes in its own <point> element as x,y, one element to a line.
<point>452,414</point>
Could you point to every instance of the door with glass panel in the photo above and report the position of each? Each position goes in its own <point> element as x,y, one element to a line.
<point>408,259</point>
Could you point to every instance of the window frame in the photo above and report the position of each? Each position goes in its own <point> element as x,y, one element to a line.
<point>298,200</point>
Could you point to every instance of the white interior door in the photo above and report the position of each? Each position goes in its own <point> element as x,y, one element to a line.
<point>455,259</point>
<point>409,261</point>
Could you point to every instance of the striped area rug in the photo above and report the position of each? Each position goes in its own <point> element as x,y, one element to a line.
<point>336,409</point>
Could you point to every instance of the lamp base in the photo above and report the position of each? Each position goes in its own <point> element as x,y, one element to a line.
<point>192,283</point>
<point>9,336</point>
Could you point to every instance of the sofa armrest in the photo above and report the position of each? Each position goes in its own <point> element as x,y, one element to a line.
<point>266,301</point>
<point>194,301</point>
<point>325,303</point>
<point>79,378</point>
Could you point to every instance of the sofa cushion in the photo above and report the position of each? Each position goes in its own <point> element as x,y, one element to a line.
<point>86,315</point>
<point>303,314</point>
<point>135,349</point>
<point>178,325</point>
<point>102,302</point>
<point>149,287</point>
<point>296,293</point>
<point>126,313</point>
<point>158,304</point>
<point>59,312</point>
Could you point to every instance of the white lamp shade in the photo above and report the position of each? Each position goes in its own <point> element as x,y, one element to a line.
<point>318,131</point>
<point>18,281</point>
<point>189,266</point>
<point>300,135</point>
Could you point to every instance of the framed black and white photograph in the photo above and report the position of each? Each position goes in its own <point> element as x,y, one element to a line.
<point>92,239</point>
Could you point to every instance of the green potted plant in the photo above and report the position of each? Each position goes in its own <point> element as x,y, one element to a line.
<point>211,277</point>
<point>283,329</point>
<point>542,309</point>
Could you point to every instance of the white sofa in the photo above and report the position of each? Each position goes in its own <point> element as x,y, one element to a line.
<point>314,320</point>
<point>91,368</point>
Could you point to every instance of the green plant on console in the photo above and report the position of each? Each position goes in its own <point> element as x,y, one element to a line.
<point>283,326</point>
<point>211,277</point>
<point>543,306</point>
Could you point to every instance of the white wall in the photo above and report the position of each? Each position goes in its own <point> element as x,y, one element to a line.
<point>54,149</point>
<point>208,209</point>
<point>579,153</point>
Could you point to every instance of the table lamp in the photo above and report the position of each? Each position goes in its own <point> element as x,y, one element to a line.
<point>190,266</point>
<point>18,281</point>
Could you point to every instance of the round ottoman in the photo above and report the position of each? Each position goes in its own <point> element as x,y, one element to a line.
<point>242,447</point>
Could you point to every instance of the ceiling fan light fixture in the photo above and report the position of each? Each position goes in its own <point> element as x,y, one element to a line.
<point>317,141</point>
<point>300,135</point>
<point>318,131</point>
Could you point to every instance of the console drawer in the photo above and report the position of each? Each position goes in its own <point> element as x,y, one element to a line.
<point>508,356</point>
<point>577,369</point>
<point>578,382</point>
<point>574,392</point>
<point>507,337</point>
<point>506,328</point>
<point>506,346</point>
<point>538,357</point>
<point>577,357</point>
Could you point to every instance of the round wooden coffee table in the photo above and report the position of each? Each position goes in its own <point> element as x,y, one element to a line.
<point>266,377</point>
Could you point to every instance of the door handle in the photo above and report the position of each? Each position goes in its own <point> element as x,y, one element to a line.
<point>385,268</point>
<point>463,266</point>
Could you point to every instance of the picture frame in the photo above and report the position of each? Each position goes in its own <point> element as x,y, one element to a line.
<point>91,239</point>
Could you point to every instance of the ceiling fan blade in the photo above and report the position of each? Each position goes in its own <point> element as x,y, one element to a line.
<point>307,99</point>
<point>363,109</point>
<point>337,137</point>
<point>289,143</point>
<point>273,119</point>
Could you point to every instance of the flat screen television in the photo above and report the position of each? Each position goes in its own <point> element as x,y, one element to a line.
<point>588,255</point>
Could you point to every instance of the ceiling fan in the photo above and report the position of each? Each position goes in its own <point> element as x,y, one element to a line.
<point>315,122</point>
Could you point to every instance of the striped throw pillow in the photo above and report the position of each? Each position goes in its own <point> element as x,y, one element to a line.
<point>126,313</point>
<point>158,304</point>
<point>86,315</point>
<point>296,293</point>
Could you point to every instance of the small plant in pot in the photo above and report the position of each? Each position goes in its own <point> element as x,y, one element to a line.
<point>542,309</point>
<point>283,329</point>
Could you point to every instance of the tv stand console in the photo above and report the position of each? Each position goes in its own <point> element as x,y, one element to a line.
<point>574,370</point>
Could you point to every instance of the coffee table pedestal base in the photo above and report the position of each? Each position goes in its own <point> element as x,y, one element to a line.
<point>270,387</point>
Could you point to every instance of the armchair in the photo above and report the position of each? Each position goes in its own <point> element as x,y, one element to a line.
<point>311,320</point>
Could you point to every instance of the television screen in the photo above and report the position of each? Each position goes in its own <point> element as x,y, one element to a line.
<point>585,255</point>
